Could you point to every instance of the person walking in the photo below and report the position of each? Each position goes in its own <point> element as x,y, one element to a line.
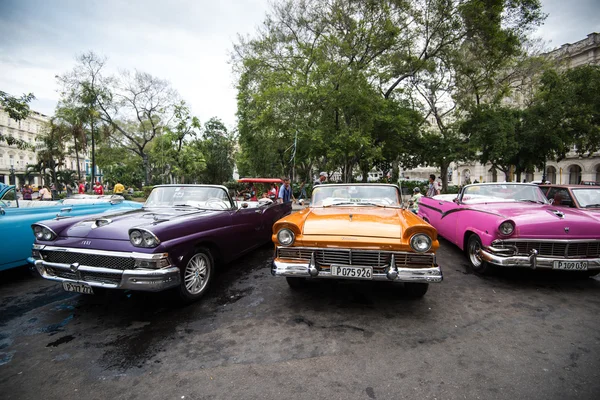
<point>69,189</point>
<point>434,187</point>
<point>302,195</point>
<point>285,192</point>
<point>81,188</point>
<point>98,188</point>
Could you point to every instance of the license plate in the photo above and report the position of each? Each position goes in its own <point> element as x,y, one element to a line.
<point>571,265</point>
<point>352,272</point>
<point>78,287</point>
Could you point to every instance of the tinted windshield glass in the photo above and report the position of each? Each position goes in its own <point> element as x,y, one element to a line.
<point>189,196</point>
<point>353,195</point>
<point>588,198</point>
<point>504,192</point>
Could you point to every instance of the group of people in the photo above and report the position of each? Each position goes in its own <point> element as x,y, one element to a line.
<point>47,193</point>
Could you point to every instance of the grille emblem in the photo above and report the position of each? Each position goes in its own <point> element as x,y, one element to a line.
<point>74,267</point>
<point>567,229</point>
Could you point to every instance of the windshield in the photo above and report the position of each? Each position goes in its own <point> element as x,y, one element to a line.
<point>204,197</point>
<point>355,195</point>
<point>502,192</point>
<point>587,198</point>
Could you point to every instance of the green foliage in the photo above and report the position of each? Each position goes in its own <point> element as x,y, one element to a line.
<point>146,191</point>
<point>16,107</point>
<point>218,150</point>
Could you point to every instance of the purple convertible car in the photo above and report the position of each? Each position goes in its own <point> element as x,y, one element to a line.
<point>173,242</point>
<point>514,225</point>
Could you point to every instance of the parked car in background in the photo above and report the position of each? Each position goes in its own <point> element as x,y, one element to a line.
<point>514,225</point>
<point>585,197</point>
<point>174,242</point>
<point>356,231</point>
<point>589,183</point>
<point>17,215</point>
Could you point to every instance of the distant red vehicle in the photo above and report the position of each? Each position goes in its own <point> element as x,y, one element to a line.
<point>586,197</point>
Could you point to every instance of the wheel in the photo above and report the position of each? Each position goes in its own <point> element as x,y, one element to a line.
<point>296,283</point>
<point>196,276</point>
<point>415,290</point>
<point>473,248</point>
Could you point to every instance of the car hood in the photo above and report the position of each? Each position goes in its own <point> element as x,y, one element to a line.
<point>116,226</point>
<point>536,220</point>
<point>355,221</point>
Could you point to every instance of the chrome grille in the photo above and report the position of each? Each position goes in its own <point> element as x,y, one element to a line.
<point>91,260</point>
<point>377,259</point>
<point>556,249</point>
<point>85,275</point>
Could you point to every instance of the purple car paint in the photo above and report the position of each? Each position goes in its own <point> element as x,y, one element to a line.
<point>514,225</point>
<point>174,241</point>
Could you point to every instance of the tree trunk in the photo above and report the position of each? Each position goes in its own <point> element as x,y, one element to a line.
<point>146,169</point>
<point>444,172</point>
<point>77,159</point>
<point>93,172</point>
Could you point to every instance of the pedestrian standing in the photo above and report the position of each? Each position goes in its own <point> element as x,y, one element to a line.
<point>434,187</point>
<point>27,192</point>
<point>322,178</point>
<point>285,192</point>
<point>81,188</point>
<point>69,188</point>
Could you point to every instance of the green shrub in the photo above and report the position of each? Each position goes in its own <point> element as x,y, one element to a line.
<point>145,191</point>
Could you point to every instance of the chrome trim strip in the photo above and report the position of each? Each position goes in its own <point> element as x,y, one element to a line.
<point>135,255</point>
<point>524,240</point>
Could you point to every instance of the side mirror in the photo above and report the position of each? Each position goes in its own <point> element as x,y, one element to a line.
<point>455,200</point>
<point>2,212</point>
<point>551,201</point>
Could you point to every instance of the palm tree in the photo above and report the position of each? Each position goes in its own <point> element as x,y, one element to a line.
<point>73,118</point>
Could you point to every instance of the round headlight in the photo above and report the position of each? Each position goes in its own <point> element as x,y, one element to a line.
<point>285,237</point>
<point>420,242</point>
<point>507,228</point>
<point>149,240</point>
<point>38,232</point>
<point>47,234</point>
<point>136,238</point>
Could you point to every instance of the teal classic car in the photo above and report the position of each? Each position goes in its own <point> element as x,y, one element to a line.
<point>17,215</point>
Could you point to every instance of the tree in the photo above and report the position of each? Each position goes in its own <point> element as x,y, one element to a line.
<point>217,148</point>
<point>17,109</point>
<point>51,149</point>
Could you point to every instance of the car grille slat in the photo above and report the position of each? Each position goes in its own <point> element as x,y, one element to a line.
<point>557,249</point>
<point>86,275</point>
<point>91,260</point>
<point>376,259</point>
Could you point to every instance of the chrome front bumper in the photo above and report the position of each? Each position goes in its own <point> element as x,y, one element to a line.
<point>391,274</point>
<point>533,260</point>
<point>142,279</point>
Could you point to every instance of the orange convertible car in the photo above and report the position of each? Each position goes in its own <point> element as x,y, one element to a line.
<point>356,231</point>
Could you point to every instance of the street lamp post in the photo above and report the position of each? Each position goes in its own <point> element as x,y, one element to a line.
<point>12,175</point>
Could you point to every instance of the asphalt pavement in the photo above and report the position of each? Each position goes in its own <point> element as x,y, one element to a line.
<point>514,335</point>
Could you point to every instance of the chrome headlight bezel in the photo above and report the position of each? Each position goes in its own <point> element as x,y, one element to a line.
<point>506,228</point>
<point>143,238</point>
<point>286,237</point>
<point>43,233</point>
<point>418,239</point>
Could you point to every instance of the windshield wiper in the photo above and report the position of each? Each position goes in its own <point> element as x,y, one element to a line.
<point>531,201</point>
<point>342,203</point>
<point>592,205</point>
<point>187,205</point>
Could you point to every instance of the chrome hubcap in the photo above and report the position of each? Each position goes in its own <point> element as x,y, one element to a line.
<point>196,273</point>
<point>474,254</point>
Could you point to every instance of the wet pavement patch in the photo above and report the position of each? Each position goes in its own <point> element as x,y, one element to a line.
<point>64,339</point>
<point>231,296</point>
<point>301,320</point>
<point>55,328</point>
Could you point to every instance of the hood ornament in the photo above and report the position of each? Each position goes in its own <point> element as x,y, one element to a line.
<point>566,229</point>
<point>101,222</point>
<point>558,213</point>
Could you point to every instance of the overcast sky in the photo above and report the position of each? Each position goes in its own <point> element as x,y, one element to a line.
<point>186,42</point>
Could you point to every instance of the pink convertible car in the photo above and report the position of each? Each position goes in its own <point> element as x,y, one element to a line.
<point>514,225</point>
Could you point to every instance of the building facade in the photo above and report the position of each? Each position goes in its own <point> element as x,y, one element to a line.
<point>14,161</point>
